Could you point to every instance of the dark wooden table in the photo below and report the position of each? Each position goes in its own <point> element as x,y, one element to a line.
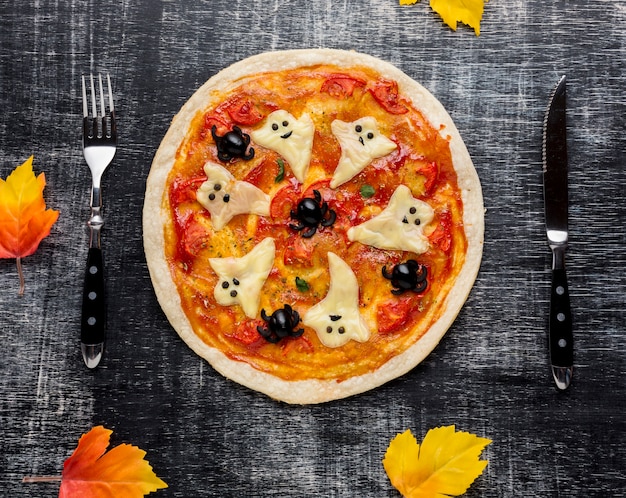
<point>207,436</point>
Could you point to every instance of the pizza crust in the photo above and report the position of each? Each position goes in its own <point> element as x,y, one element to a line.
<point>154,216</point>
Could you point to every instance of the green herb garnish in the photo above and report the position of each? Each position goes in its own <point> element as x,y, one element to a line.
<point>281,171</point>
<point>302,284</point>
<point>367,191</point>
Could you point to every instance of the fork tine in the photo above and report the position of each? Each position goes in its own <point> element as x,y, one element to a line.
<point>103,118</point>
<point>85,106</point>
<point>101,96</point>
<point>94,109</point>
<point>112,126</point>
<point>111,108</point>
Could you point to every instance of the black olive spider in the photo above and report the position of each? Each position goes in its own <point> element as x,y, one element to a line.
<point>409,276</point>
<point>232,144</point>
<point>280,324</point>
<point>311,213</point>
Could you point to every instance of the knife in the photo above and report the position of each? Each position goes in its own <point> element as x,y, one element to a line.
<point>561,342</point>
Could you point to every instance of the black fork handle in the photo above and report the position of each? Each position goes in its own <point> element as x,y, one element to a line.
<point>93,320</point>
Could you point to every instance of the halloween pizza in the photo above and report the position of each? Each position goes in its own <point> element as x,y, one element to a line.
<point>313,223</point>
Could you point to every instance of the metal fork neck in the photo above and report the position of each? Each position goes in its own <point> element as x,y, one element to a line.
<point>95,221</point>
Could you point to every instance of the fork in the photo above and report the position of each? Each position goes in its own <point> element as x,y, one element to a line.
<point>99,145</point>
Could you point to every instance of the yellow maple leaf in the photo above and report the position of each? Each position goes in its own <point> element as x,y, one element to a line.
<point>445,464</point>
<point>468,12</point>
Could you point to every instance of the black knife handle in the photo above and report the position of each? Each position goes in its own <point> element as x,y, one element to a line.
<point>93,320</point>
<point>560,331</point>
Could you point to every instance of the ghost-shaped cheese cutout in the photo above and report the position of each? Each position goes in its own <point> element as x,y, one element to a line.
<point>241,279</point>
<point>336,318</point>
<point>361,143</point>
<point>399,226</point>
<point>292,138</point>
<point>224,196</point>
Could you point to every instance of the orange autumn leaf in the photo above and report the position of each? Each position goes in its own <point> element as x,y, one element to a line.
<point>445,464</point>
<point>91,472</point>
<point>468,12</point>
<point>24,219</point>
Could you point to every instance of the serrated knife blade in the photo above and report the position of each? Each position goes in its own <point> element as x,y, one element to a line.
<point>555,195</point>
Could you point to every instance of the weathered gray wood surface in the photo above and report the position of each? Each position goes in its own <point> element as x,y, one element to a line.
<point>206,436</point>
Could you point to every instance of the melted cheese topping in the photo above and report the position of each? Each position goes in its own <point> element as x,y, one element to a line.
<point>336,318</point>
<point>241,279</point>
<point>224,196</point>
<point>361,143</point>
<point>292,138</point>
<point>399,226</point>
